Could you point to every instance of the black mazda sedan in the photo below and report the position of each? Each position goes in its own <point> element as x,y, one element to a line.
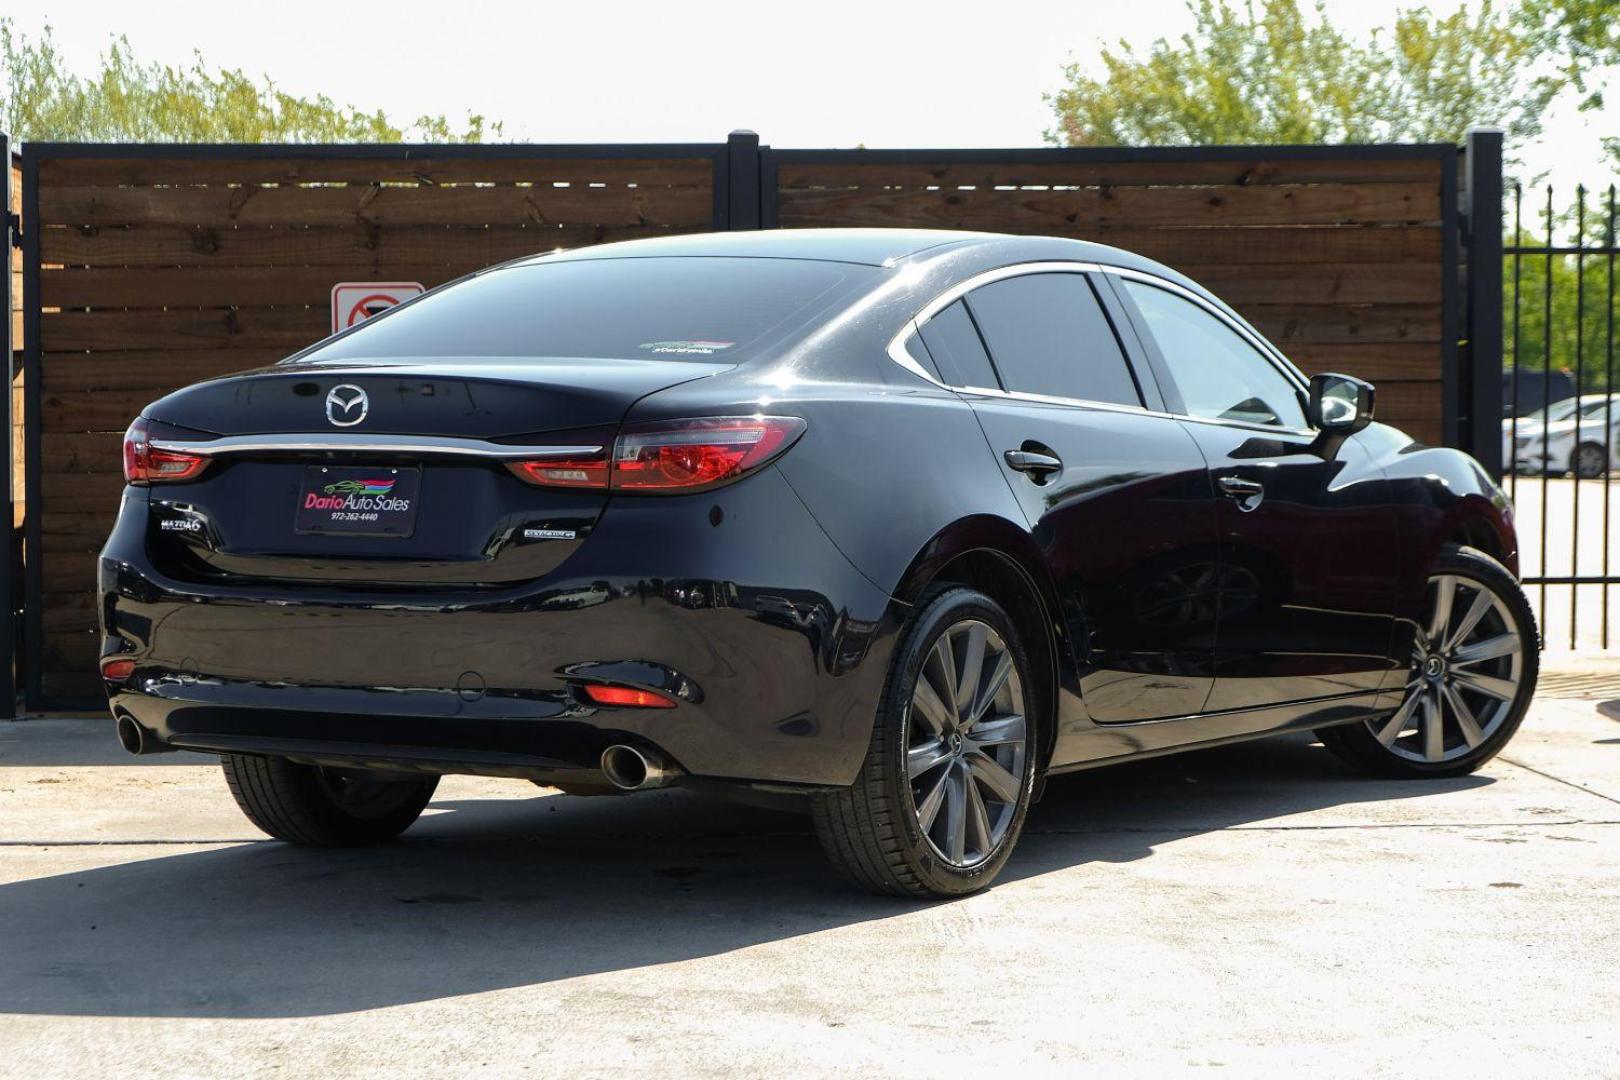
<point>893,523</point>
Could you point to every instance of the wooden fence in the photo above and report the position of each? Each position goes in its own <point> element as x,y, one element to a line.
<point>1336,258</point>
<point>164,267</point>
<point>157,266</point>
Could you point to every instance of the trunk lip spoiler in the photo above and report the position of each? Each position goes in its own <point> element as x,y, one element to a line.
<point>320,442</point>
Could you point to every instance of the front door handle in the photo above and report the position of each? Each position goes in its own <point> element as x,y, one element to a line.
<point>1037,466</point>
<point>1246,493</point>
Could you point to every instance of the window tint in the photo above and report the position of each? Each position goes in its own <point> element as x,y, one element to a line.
<point>957,351</point>
<point>713,309</point>
<point>919,353</point>
<point>1048,335</point>
<point>1220,376</point>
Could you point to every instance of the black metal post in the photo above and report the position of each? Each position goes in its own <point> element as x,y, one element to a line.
<point>742,180</point>
<point>33,621</point>
<point>1482,381</point>
<point>9,234</point>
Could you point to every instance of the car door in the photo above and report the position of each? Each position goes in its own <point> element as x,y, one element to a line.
<point>1117,498</point>
<point>1309,553</point>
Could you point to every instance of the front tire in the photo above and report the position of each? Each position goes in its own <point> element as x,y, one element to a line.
<point>1474,668</point>
<point>322,807</point>
<point>941,797</point>
<point>1589,461</point>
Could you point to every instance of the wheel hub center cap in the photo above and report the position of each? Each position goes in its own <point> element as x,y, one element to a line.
<point>955,742</point>
<point>1434,667</point>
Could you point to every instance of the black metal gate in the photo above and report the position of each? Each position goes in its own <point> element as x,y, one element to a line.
<point>1559,439</point>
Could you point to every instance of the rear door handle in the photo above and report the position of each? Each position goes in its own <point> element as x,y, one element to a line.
<point>1037,466</point>
<point>1246,493</point>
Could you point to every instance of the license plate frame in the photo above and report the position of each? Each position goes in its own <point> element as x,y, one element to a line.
<point>358,500</point>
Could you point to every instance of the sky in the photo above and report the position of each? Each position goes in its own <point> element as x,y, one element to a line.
<point>828,73</point>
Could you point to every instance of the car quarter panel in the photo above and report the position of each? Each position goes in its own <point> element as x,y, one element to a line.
<point>1440,496</point>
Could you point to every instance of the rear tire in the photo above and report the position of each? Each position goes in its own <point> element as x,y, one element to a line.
<point>1473,689</point>
<point>941,797</point>
<point>321,807</point>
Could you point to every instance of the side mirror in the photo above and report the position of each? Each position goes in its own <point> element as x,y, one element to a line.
<point>1339,404</point>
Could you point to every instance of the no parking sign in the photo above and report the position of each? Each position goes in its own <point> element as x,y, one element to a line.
<point>356,301</point>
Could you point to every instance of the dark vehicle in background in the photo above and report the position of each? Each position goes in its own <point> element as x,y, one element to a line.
<point>1527,392</point>
<point>894,523</point>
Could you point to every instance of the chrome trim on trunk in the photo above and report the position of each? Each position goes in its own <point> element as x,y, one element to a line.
<point>322,442</point>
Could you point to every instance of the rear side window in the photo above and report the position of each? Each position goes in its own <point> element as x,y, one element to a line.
<point>1048,335</point>
<point>957,351</point>
<point>706,309</point>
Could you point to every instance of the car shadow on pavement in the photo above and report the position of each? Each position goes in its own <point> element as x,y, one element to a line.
<point>484,895</point>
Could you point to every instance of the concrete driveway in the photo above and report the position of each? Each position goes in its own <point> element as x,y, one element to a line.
<point>1255,909</point>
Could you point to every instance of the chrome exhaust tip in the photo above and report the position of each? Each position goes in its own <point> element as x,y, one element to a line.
<point>630,769</point>
<point>136,739</point>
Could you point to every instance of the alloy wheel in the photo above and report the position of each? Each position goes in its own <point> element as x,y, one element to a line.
<point>966,737</point>
<point>1467,664</point>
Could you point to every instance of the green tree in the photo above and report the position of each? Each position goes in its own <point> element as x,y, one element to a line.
<point>1562,308</point>
<point>127,100</point>
<point>1265,72</point>
<point>1583,38</point>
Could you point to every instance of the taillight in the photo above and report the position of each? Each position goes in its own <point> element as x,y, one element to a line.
<point>582,472</point>
<point>675,457</point>
<point>144,464</point>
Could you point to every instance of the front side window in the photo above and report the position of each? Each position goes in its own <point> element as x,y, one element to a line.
<point>1048,335</point>
<point>1220,375</point>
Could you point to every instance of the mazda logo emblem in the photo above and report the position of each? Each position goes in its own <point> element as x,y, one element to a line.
<point>346,405</point>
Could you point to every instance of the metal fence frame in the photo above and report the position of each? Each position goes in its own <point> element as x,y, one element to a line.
<point>745,197</point>
<point>9,236</point>
<point>1581,251</point>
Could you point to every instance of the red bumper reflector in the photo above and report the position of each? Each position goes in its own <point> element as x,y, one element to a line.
<point>117,668</point>
<point>627,697</point>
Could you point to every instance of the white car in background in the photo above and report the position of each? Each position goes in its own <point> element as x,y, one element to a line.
<point>1578,435</point>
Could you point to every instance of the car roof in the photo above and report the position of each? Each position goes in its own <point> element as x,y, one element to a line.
<point>872,247</point>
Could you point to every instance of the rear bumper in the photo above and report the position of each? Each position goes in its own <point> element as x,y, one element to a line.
<point>733,603</point>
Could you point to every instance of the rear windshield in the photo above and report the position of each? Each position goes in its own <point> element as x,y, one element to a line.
<point>706,309</point>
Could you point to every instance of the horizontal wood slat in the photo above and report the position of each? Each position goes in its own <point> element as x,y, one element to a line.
<point>1059,212</point>
<point>155,370</point>
<point>697,171</point>
<point>67,610</point>
<point>287,329</point>
<point>257,286</point>
<point>82,452</point>
<point>370,204</point>
<point>1352,283</point>
<point>1374,361</point>
<point>74,531</point>
<point>1230,173</point>
<point>91,410</point>
<point>1286,324</point>
<point>1399,402</point>
<point>84,493</point>
<point>357,245</point>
